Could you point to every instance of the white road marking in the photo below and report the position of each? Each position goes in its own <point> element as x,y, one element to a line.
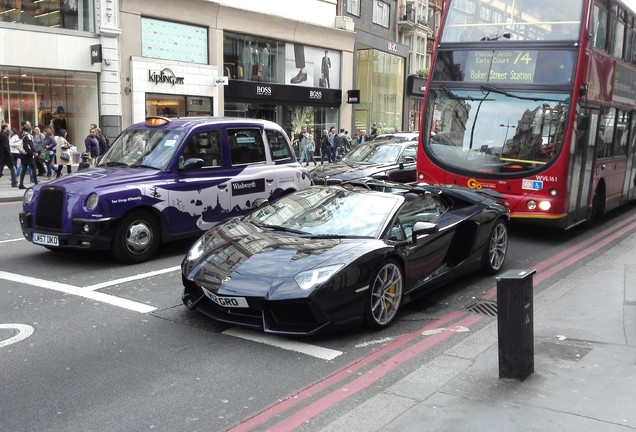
<point>12,240</point>
<point>130,278</point>
<point>374,342</point>
<point>279,342</point>
<point>457,329</point>
<point>80,292</point>
<point>24,331</point>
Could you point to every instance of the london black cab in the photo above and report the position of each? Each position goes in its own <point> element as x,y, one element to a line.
<point>162,180</point>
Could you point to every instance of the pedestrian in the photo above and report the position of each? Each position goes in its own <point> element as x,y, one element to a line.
<point>311,148</point>
<point>332,145</point>
<point>340,143</point>
<point>324,147</point>
<point>362,136</point>
<point>103,141</point>
<point>6,156</point>
<point>92,144</point>
<point>62,153</point>
<point>84,164</point>
<point>27,157</point>
<point>49,147</point>
<point>38,145</point>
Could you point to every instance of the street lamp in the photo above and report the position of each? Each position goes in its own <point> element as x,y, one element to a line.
<point>507,126</point>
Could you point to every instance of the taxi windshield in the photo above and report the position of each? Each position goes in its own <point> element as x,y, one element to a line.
<point>149,148</point>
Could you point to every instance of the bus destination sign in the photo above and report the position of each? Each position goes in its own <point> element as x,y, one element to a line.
<point>506,66</point>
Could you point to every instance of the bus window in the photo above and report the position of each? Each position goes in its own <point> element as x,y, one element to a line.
<point>605,137</point>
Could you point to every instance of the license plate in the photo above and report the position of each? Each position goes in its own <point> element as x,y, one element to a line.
<point>46,239</point>
<point>231,302</point>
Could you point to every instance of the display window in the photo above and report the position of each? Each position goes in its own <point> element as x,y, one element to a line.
<point>66,14</point>
<point>177,106</point>
<point>60,99</point>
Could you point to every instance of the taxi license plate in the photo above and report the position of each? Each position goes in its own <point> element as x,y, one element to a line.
<point>46,239</point>
<point>232,302</point>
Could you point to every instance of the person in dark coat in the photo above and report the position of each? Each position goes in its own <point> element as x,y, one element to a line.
<point>28,157</point>
<point>6,158</point>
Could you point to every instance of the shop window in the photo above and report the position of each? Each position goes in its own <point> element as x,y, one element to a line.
<point>66,14</point>
<point>165,105</point>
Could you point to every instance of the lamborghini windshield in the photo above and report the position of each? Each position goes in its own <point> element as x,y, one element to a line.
<point>489,131</point>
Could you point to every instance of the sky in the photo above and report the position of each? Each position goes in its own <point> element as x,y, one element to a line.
<point>630,3</point>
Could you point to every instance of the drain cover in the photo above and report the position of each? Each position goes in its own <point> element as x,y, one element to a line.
<point>483,307</point>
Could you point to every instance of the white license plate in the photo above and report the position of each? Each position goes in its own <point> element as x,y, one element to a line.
<point>232,302</point>
<point>46,239</point>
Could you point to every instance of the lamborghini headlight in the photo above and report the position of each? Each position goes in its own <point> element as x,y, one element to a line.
<point>311,278</point>
<point>196,251</point>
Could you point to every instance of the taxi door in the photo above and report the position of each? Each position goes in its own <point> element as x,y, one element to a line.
<point>200,197</point>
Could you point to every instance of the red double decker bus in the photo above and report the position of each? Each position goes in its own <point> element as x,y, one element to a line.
<point>535,99</point>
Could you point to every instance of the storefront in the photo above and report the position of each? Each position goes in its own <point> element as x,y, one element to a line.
<point>293,85</point>
<point>55,98</point>
<point>172,89</point>
<point>380,66</point>
<point>415,88</point>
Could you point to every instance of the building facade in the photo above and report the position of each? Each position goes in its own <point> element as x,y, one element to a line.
<point>418,24</point>
<point>51,72</point>
<point>380,64</point>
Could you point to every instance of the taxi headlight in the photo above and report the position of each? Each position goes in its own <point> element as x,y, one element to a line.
<point>91,202</point>
<point>28,196</point>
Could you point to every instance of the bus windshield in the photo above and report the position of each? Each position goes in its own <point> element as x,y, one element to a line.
<point>491,132</point>
<point>485,20</point>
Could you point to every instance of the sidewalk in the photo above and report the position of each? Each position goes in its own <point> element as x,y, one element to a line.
<point>9,194</point>
<point>584,367</point>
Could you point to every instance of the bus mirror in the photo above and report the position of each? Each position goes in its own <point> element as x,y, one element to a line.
<point>582,122</point>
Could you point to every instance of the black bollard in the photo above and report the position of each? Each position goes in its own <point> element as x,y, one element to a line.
<point>515,324</point>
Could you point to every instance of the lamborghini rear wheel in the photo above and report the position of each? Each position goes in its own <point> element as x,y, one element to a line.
<point>385,295</point>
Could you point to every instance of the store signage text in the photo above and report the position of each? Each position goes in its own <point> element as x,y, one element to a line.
<point>315,94</point>
<point>165,76</point>
<point>263,90</point>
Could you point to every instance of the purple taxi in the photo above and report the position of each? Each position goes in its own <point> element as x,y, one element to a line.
<point>162,180</point>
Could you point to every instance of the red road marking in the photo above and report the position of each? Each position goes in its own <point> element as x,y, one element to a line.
<point>341,374</point>
<point>545,269</point>
<point>362,382</point>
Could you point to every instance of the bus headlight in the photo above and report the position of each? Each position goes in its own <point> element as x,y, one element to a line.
<point>532,204</point>
<point>545,205</point>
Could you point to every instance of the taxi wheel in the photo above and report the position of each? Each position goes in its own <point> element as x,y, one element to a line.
<point>385,295</point>
<point>137,238</point>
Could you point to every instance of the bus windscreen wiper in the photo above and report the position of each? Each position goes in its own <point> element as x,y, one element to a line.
<point>492,89</point>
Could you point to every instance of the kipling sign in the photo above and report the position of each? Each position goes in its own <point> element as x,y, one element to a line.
<point>165,76</point>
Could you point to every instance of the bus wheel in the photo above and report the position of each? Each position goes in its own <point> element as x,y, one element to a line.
<point>136,238</point>
<point>598,203</point>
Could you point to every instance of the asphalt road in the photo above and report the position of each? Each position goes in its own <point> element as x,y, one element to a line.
<point>87,344</point>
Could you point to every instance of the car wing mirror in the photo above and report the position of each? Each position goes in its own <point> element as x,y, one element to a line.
<point>421,228</point>
<point>192,163</point>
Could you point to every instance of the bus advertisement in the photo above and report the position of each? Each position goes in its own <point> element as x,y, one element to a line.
<point>534,99</point>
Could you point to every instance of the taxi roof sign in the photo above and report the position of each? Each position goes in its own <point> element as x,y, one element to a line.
<point>156,121</point>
